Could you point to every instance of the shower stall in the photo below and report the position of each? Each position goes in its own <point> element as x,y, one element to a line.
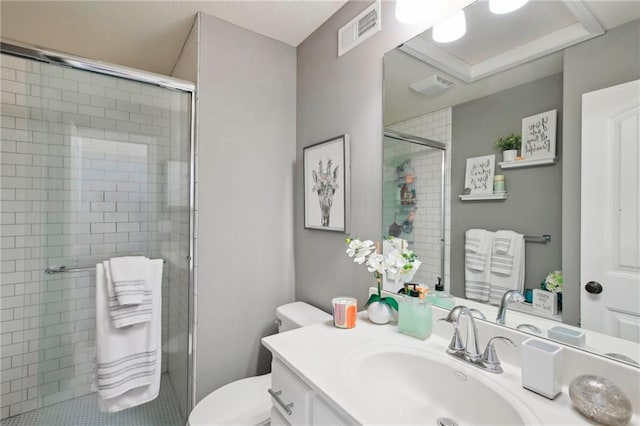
<point>413,199</point>
<point>96,161</point>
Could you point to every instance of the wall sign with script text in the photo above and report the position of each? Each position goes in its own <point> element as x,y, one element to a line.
<point>478,178</point>
<point>539,135</point>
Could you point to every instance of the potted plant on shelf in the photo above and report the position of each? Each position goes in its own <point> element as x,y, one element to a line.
<point>509,146</point>
<point>399,261</point>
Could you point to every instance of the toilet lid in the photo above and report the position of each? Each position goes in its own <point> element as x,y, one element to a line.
<point>244,402</point>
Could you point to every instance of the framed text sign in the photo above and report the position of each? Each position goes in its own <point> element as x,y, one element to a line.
<point>478,178</point>
<point>539,135</point>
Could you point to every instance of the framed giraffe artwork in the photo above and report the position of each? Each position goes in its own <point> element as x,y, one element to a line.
<point>326,184</point>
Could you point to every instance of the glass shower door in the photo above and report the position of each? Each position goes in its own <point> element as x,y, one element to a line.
<point>93,167</point>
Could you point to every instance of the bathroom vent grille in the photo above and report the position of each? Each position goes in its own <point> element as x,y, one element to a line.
<point>432,85</point>
<point>360,28</point>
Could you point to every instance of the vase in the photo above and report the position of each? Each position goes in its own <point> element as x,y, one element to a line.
<point>509,155</point>
<point>379,313</point>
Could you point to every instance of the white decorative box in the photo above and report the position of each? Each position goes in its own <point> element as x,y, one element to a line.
<point>542,367</point>
<point>545,301</point>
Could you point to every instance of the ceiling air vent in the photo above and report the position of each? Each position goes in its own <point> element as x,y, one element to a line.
<point>360,28</point>
<point>432,85</point>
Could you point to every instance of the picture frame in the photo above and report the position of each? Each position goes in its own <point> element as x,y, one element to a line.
<point>539,135</point>
<point>478,177</point>
<point>326,176</point>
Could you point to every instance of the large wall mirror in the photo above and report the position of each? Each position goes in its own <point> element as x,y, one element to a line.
<point>463,95</point>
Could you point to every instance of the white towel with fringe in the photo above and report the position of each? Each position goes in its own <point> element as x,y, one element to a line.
<point>128,359</point>
<point>508,271</point>
<point>477,264</point>
<point>124,315</point>
<point>128,278</point>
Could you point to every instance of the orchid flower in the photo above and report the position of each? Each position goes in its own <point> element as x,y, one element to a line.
<point>359,250</point>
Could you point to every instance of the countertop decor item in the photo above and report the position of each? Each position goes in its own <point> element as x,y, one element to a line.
<point>399,261</point>
<point>601,400</point>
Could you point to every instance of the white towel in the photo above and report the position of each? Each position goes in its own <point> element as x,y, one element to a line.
<point>128,277</point>
<point>124,315</point>
<point>477,247</point>
<point>501,282</point>
<point>128,360</point>
<point>477,265</point>
<point>502,261</point>
<point>502,241</point>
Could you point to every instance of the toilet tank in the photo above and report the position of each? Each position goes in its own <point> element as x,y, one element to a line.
<point>298,314</point>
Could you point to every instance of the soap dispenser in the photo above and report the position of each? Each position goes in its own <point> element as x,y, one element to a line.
<point>414,314</point>
<point>441,298</point>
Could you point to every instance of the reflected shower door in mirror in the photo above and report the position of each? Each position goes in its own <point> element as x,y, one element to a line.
<point>481,88</point>
<point>413,198</point>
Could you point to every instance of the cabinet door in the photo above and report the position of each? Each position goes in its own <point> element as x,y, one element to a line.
<point>277,419</point>
<point>293,399</point>
<point>325,414</point>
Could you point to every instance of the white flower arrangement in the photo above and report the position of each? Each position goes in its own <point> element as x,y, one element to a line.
<point>553,282</point>
<point>400,263</point>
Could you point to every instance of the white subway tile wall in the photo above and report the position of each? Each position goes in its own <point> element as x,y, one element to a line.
<point>427,165</point>
<point>85,162</point>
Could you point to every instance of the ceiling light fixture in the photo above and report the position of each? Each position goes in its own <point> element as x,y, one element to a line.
<point>451,29</point>
<point>412,11</point>
<point>500,7</point>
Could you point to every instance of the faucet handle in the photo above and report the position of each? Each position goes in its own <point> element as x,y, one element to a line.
<point>456,344</point>
<point>490,356</point>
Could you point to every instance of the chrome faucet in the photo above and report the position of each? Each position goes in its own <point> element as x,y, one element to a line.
<point>470,351</point>
<point>508,296</point>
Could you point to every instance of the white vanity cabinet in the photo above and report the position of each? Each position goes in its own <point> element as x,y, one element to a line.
<point>296,403</point>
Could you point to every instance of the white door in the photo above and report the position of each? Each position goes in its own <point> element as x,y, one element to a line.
<point>610,227</point>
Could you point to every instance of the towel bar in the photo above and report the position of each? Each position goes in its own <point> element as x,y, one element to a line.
<point>62,269</point>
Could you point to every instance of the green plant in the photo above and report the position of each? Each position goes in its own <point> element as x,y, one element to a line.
<point>510,142</point>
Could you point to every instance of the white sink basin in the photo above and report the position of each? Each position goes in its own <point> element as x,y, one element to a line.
<point>424,386</point>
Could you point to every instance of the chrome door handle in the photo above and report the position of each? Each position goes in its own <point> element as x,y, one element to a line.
<point>276,396</point>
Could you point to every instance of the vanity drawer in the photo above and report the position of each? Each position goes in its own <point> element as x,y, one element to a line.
<point>290,395</point>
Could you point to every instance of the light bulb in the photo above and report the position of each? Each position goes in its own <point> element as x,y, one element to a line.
<point>412,11</point>
<point>451,29</point>
<point>500,7</point>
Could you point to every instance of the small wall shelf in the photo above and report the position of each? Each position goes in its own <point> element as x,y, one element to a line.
<point>528,163</point>
<point>484,197</point>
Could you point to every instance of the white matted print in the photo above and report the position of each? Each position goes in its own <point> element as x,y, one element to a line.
<point>326,180</point>
<point>539,135</point>
<point>478,177</point>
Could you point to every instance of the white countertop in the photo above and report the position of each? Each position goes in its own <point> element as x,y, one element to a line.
<point>321,355</point>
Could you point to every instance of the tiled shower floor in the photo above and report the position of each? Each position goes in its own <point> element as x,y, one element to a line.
<point>84,411</point>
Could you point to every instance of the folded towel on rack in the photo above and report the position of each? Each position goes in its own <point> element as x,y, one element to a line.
<point>128,278</point>
<point>502,282</point>
<point>477,248</point>
<point>476,271</point>
<point>502,262</point>
<point>124,315</point>
<point>128,360</point>
<point>502,241</point>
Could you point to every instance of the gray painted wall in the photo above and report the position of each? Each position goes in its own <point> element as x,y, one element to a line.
<point>534,205</point>
<point>338,95</point>
<point>608,60</point>
<point>246,137</point>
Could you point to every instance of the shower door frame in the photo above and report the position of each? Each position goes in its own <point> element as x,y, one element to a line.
<point>14,48</point>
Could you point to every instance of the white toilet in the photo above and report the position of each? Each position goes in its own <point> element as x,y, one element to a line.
<point>246,401</point>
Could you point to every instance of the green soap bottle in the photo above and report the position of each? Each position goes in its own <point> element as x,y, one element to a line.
<point>414,315</point>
